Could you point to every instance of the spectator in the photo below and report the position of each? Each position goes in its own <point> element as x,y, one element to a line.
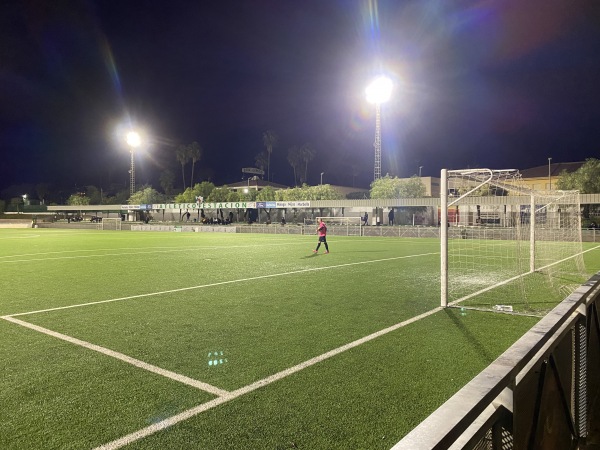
<point>391,217</point>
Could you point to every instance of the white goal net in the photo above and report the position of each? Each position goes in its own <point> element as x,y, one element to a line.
<point>110,224</point>
<point>348,226</point>
<point>505,246</point>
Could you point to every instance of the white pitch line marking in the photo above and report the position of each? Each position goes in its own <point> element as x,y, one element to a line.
<point>173,420</point>
<point>516,277</point>
<point>153,249</point>
<point>149,250</point>
<point>4,260</point>
<point>134,362</point>
<point>147,431</point>
<point>218,283</point>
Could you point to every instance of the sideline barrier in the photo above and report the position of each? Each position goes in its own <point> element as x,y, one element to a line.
<point>587,235</point>
<point>16,223</point>
<point>540,391</point>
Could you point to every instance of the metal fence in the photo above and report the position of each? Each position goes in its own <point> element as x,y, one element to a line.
<point>536,395</point>
<point>587,235</point>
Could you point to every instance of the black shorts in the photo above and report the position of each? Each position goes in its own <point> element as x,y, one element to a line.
<point>322,238</point>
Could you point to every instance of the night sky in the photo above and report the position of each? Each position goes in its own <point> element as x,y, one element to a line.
<point>499,84</point>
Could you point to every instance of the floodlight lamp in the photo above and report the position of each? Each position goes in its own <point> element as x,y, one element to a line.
<point>133,139</point>
<point>379,91</point>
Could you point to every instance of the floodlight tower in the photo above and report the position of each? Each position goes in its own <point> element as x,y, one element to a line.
<point>134,141</point>
<point>378,92</point>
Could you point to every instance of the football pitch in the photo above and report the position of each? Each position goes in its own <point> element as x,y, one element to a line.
<point>144,340</point>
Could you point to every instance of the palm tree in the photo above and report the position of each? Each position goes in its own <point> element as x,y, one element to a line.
<point>183,156</point>
<point>295,159</point>
<point>270,139</point>
<point>308,153</point>
<point>261,160</point>
<point>195,154</point>
<point>355,172</point>
<point>42,191</point>
<point>167,178</point>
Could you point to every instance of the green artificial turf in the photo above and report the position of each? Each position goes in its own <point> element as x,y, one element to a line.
<point>261,304</point>
<point>55,395</point>
<point>366,398</point>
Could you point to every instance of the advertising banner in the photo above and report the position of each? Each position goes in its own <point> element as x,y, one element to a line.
<point>208,205</point>
<point>220,205</point>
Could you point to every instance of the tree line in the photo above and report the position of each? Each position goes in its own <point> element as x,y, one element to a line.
<point>586,179</point>
<point>298,157</point>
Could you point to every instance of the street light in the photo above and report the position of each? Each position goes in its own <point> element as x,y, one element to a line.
<point>378,92</point>
<point>420,167</point>
<point>549,175</point>
<point>322,177</point>
<point>133,140</point>
<point>24,196</point>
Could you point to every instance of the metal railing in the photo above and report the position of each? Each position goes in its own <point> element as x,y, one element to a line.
<point>536,395</point>
<point>587,234</point>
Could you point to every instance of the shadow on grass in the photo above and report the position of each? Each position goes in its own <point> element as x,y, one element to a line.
<point>454,315</point>
<point>312,255</point>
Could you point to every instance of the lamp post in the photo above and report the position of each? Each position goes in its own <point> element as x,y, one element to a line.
<point>24,196</point>
<point>134,141</point>
<point>420,167</point>
<point>378,92</point>
<point>322,177</point>
<point>549,175</point>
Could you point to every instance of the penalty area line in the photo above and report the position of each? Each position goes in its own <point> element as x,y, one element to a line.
<point>122,357</point>
<point>219,283</point>
<point>173,420</point>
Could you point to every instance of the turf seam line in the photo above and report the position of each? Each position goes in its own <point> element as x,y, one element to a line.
<point>120,356</point>
<point>173,420</point>
<point>219,283</point>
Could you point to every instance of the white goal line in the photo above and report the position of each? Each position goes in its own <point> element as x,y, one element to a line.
<point>516,277</point>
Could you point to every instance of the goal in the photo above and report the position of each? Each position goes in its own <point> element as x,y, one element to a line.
<point>505,246</point>
<point>347,226</point>
<point>110,224</point>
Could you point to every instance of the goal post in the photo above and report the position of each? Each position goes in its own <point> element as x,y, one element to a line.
<point>110,223</point>
<point>505,246</point>
<point>349,226</point>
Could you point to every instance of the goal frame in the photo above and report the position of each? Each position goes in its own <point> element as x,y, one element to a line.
<point>116,221</point>
<point>348,222</point>
<point>531,203</point>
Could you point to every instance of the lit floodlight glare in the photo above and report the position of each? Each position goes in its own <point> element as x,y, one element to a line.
<point>133,139</point>
<point>379,91</point>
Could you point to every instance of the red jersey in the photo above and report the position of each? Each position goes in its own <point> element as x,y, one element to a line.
<point>322,229</point>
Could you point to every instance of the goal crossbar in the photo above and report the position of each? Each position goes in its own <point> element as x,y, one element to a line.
<point>110,223</point>
<point>495,232</point>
